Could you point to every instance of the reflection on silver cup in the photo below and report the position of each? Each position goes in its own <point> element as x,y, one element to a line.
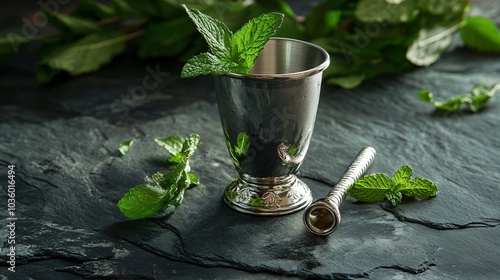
<point>268,118</point>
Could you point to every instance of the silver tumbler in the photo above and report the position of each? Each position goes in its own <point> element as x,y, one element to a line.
<point>268,118</point>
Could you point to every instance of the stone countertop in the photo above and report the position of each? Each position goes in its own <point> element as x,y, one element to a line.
<point>63,139</point>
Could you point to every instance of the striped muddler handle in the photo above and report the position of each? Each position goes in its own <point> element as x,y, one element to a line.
<point>322,217</point>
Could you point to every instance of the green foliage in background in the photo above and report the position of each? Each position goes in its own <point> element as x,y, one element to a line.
<point>365,38</point>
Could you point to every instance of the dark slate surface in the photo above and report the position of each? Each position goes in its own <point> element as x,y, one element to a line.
<point>63,140</point>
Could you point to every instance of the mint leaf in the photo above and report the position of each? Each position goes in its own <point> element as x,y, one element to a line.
<point>481,34</point>
<point>228,52</point>
<point>402,175</point>
<point>216,33</point>
<point>394,197</point>
<point>162,180</point>
<point>71,24</point>
<point>425,96</point>
<point>155,9</point>
<point>420,188</point>
<point>476,100</point>
<point>174,145</point>
<point>242,144</point>
<point>250,39</point>
<point>206,64</point>
<point>431,42</point>
<point>378,187</point>
<point>83,56</point>
<point>127,9</point>
<point>322,19</point>
<point>142,201</point>
<point>480,95</point>
<point>193,180</point>
<point>451,104</point>
<point>383,10</point>
<point>442,7</point>
<point>146,200</point>
<point>348,82</point>
<point>125,146</point>
<point>371,188</point>
<point>156,42</point>
<point>93,9</point>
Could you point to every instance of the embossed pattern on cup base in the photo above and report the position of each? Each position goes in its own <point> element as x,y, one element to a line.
<point>261,196</point>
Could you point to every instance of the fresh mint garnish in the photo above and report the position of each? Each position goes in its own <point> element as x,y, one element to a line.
<point>229,53</point>
<point>476,100</point>
<point>378,187</point>
<point>247,42</point>
<point>125,146</point>
<point>167,189</point>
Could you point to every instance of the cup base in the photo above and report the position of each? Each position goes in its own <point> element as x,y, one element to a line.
<point>271,196</point>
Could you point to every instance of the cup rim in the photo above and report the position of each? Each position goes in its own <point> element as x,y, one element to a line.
<point>293,75</point>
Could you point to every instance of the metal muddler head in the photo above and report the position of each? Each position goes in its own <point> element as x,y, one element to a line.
<point>322,217</point>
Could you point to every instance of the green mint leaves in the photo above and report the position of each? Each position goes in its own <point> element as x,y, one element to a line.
<point>174,145</point>
<point>124,147</point>
<point>81,56</point>
<point>365,38</point>
<point>378,187</point>
<point>481,34</point>
<point>166,189</point>
<point>229,53</point>
<point>476,100</point>
<point>247,42</point>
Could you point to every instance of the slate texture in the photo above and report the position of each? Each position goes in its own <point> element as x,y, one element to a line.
<point>63,139</point>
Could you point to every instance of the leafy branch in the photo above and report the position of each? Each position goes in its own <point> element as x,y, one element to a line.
<point>366,38</point>
<point>166,189</point>
<point>476,100</point>
<point>379,187</point>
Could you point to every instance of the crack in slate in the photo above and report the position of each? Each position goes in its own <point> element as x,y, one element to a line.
<point>46,181</point>
<point>406,269</point>
<point>202,260</point>
<point>174,230</point>
<point>140,131</point>
<point>60,254</point>
<point>95,269</point>
<point>107,149</point>
<point>144,247</point>
<point>104,136</point>
<point>303,272</point>
<point>487,222</point>
<point>42,196</point>
<point>421,268</point>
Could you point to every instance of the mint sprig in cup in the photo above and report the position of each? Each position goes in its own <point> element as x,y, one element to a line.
<point>229,53</point>
<point>267,94</point>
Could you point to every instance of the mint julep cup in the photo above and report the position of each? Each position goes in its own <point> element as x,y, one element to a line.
<point>268,119</point>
